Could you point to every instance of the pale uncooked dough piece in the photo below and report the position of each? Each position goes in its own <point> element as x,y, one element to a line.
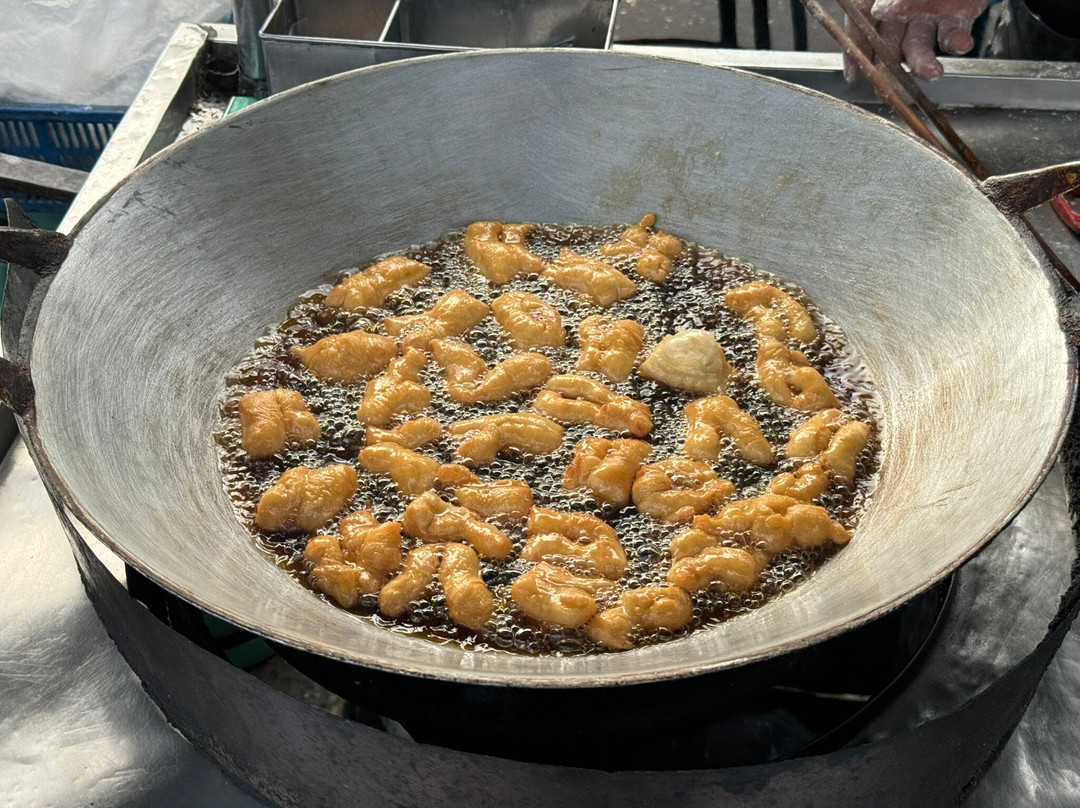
<point>690,360</point>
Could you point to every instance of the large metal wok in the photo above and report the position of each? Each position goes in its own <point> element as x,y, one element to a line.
<point>172,277</point>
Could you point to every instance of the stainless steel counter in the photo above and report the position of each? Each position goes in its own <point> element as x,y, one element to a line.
<point>76,727</point>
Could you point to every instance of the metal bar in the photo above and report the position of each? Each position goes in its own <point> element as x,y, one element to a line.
<point>38,178</point>
<point>165,98</point>
<point>967,83</point>
<point>889,55</point>
<point>728,37</point>
<point>799,39</point>
<point>881,81</point>
<point>762,39</point>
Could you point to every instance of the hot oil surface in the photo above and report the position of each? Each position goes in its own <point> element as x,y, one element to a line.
<point>692,297</point>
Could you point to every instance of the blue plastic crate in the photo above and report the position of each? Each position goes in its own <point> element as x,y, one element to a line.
<point>71,136</point>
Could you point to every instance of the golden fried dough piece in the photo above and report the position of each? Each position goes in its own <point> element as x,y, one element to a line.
<point>485,437</point>
<point>271,419</point>
<point>432,519</point>
<point>347,358</point>
<point>306,498</point>
<point>576,399</point>
<point>773,312</point>
<point>788,379</point>
<point>609,347</point>
<point>499,498</point>
<point>579,538</point>
<point>452,315</point>
<point>530,322</point>
<point>773,522</point>
<point>710,419</point>
<point>453,475</point>
<point>468,600</point>
<point>367,543</point>
<point>603,557</point>
<point>812,438</point>
<point>552,595</point>
<point>735,568</point>
<point>676,489</point>
<point>371,287</point>
<point>844,448</point>
<point>411,434</point>
<point>834,439</point>
<point>333,576</point>
<point>417,574</point>
<point>395,391</point>
<point>655,251</point>
<point>411,472</point>
<point>607,468</point>
<point>577,526</point>
<point>357,564</point>
<point>644,610</point>
<point>591,278</point>
<point>498,250</point>
<point>690,360</point>
<point>469,381</point>
<point>808,482</point>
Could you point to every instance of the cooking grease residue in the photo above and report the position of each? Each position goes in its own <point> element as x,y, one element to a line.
<point>692,297</point>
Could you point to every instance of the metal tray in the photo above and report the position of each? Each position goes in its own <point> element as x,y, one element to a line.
<point>304,40</point>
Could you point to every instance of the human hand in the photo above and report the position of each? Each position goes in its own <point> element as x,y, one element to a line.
<point>913,26</point>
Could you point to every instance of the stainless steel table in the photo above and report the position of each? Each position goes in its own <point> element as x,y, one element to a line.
<point>76,727</point>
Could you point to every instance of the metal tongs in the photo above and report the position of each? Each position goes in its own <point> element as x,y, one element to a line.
<point>1012,193</point>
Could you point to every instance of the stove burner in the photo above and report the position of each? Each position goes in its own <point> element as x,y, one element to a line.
<point>808,702</point>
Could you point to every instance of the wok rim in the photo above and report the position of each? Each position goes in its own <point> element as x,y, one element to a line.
<point>60,491</point>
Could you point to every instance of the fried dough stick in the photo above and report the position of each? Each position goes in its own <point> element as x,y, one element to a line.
<point>452,315</point>
<point>371,287</point>
<point>591,278</point>
<point>551,595</point>
<point>607,468</point>
<point>710,419</point>
<point>579,538</point>
<point>644,610</point>
<point>347,358</point>
<point>788,379</point>
<point>457,568</point>
<point>609,347</point>
<point>676,489</point>
<point>485,437</point>
<point>272,419</point>
<point>498,250</point>
<point>655,251</point>
<point>530,322</point>
<point>469,381</point>
<point>773,312</point>
<point>576,399</point>
<point>397,390</point>
<point>306,498</point>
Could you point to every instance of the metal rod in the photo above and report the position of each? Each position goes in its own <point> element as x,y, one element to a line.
<point>762,39</point>
<point>881,81</point>
<point>798,26</point>
<point>890,57</point>
<point>728,36</point>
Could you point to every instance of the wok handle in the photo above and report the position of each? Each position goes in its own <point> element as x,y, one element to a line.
<point>16,388</point>
<point>23,243</point>
<point>1014,194</point>
<point>32,254</point>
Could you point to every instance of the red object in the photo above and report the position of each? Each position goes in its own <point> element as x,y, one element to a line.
<point>1066,209</point>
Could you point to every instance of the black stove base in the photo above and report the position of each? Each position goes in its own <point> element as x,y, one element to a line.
<point>807,702</point>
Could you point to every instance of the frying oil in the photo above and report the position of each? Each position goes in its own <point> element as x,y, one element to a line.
<point>692,297</point>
